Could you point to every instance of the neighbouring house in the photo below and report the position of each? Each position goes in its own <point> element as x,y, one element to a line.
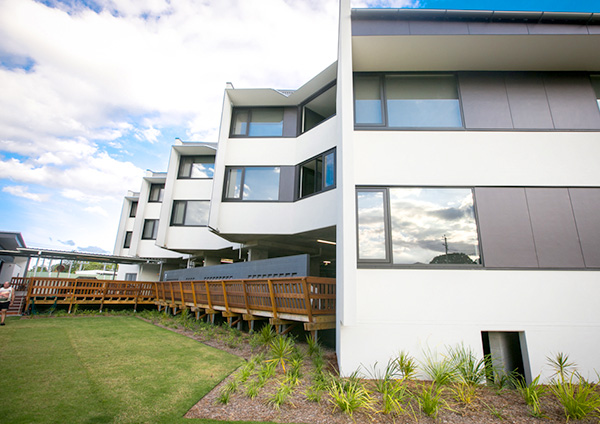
<point>444,169</point>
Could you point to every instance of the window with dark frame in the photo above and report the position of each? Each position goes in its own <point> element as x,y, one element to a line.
<point>196,167</point>
<point>127,242</point>
<point>150,230</point>
<point>190,213</point>
<point>316,174</point>
<point>133,209</point>
<point>406,101</point>
<point>157,192</point>
<point>319,109</point>
<point>255,183</point>
<point>417,226</point>
<point>257,122</point>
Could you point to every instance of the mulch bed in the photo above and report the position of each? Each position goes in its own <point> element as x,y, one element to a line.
<point>490,406</point>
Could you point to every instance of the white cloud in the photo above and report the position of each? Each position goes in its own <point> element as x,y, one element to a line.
<point>128,72</point>
<point>23,191</point>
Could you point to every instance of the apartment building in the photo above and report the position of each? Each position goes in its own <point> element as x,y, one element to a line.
<point>447,167</point>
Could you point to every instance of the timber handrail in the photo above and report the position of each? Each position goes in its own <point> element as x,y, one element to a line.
<point>307,296</point>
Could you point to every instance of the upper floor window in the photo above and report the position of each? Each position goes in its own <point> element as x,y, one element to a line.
<point>257,122</point>
<point>317,174</point>
<point>319,108</point>
<point>190,212</point>
<point>133,209</point>
<point>157,192</point>
<point>417,226</point>
<point>596,84</point>
<point>196,167</point>
<point>259,183</point>
<point>127,241</point>
<point>150,230</point>
<point>406,101</point>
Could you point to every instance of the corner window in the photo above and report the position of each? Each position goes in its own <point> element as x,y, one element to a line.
<point>196,167</point>
<point>596,84</point>
<point>260,183</point>
<point>133,209</point>
<point>257,122</point>
<point>318,109</point>
<point>127,242</point>
<point>317,174</point>
<point>417,226</point>
<point>157,192</point>
<point>150,230</point>
<point>190,213</point>
<point>407,101</point>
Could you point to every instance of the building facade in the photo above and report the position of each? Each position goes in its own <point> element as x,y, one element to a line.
<point>444,170</point>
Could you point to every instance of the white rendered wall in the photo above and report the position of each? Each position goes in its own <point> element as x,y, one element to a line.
<point>318,211</point>
<point>418,310</point>
<point>476,158</point>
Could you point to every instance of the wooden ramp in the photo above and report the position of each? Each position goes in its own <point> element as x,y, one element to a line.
<point>309,301</point>
<point>79,291</point>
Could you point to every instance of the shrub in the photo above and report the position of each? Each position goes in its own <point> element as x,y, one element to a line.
<point>349,395</point>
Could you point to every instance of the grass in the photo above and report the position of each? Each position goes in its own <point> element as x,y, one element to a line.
<point>104,370</point>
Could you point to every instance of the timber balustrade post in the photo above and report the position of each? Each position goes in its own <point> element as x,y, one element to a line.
<point>74,286</point>
<point>172,298</point>
<point>29,290</point>
<point>308,305</point>
<point>104,290</point>
<point>183,307</point>
<point>272,294</point>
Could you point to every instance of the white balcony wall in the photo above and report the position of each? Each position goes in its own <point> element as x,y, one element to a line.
<point>477,158</point>
<point>427,310</point>
<point>315,212</point>
<point>190,189</point>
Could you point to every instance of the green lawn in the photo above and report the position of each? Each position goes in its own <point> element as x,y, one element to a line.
<point>103,370</point>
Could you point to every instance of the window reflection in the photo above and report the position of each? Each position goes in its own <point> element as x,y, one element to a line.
<point>196,167</point>
<point>258,122</point>
<point>371,225</point>
<point>261,183</point>
<point>367,100</point>
<point>190,212</point>
<point>433,226</point>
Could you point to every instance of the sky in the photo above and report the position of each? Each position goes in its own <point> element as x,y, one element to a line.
<point>94,92</point>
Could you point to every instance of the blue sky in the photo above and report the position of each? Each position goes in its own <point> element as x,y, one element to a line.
<point>94,92</point>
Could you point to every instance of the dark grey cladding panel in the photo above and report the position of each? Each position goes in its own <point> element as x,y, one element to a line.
<point>556,240</point>
<point>286,183</point>
<point>380,27</point>
<point>586,208</point>
<point>484,28</point>
<point>438,28</point>
<point>484,100</point>
<point>572,101</point>
<point>290,122</point>
<point>505,229</point>
<point>527,100</point>
<point>288,266</point>
<point>535,29</point>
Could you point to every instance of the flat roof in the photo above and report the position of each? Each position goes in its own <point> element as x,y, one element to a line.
<point>78,256</point>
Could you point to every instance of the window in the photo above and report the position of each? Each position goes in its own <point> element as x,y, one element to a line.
<point>196,167</point>
<point>596,84</point>
<point>190,212</point>
<point>319,109</point>
<point>257,122</point>
<point>150,229</point>
<point>407,101</point>
<point>127,242</point>
<point>259,183</point>
<point>317,174</point>
<point>133,209</point>
<point>157,192</point>
<point>417,226</point>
